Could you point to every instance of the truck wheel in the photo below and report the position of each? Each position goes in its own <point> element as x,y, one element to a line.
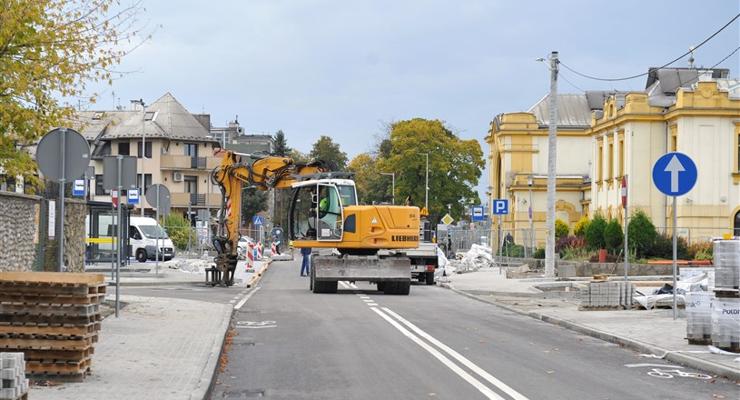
<point>324,287</point>
<point>402,288</point>
<point>430,278</point>
<point>381,286</point>
<point>141,255</point>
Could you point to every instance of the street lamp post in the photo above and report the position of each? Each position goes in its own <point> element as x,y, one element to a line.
<point>530,182</point>
<point>393,185</point>
<point>426,185</point>
<point>143,151</point>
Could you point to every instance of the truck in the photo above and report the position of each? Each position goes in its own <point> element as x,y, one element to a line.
<point>423,259</point>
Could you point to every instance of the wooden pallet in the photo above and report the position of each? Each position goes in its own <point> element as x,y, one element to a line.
<point>47,298</point>
<point>46,344</point>
<point>727,346</point>
<point>700,341</point>
<point>59,355</point>
<point>50,319</point>
<point>72,310</point>
<point>59,367</point>
<point>78,330</point>
<point>600,308</point>
<point>726,293</point>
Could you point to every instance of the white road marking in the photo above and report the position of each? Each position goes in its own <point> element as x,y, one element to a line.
<point>651,365</point>
<point>464,361</point>
<point>232,301</point>
<point>353,286</point>
<point>439,356</point>
<point>344,285</point>
<point>372,304</point>
<point>239,305</point>
<point>367,300</point>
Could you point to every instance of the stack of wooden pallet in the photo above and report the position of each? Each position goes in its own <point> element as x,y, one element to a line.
<point>54,318</point>
<point>13,382</point>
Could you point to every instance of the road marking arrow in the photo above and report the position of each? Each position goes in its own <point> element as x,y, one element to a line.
<point>674,167</point>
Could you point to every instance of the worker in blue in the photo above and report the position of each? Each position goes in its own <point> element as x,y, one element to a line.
<point>306,264</point>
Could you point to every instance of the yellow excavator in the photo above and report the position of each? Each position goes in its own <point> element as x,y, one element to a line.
<point>324,214</point>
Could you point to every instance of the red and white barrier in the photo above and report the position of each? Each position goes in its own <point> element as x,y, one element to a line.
<point>250,256</point>
<point>258,251</point>
<point>273,250</point>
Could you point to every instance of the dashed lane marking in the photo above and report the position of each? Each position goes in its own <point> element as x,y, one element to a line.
<point>240,304</point>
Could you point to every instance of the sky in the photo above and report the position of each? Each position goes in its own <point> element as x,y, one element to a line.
<point>347,68</point>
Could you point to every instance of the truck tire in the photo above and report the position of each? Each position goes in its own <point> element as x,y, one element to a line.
<point>141,255</point>
<point>430,278</point>
<point>381,286</point>
<point>401,288</point>
<point>325,286</point>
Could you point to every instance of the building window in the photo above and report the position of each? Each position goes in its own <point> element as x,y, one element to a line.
<point>737,160</point>
<point>147,181</point>
<point>148,149</point>
<point>600,164</point>
<point>99,191</point>
<point>737,224</point>
<point>611,160</point>
<point>191,149</point>
<point>674,138</point>
<point>123,148</point>
<point>622,160</point>
<point>191,184</point>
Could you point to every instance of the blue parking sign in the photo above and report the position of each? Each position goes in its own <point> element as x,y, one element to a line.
<point>500,206</point>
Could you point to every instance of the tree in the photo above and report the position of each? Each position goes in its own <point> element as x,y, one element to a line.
<point>281,145</point>
<point>326,150</point>
<point>179,230</point>
<point>595,233</point>
<point>49,51</point>
<point>299,157</point>
<point>253,202</point>
<point>371,186</point>
<point>642,234</point>
<point>613,236</point>
<point>454,165</point>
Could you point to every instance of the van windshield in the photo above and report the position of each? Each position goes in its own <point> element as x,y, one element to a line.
<point>153,231</point>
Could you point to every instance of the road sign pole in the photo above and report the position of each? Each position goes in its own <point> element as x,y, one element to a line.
<point>119,242</point>
<point>675,268</point>
<point>156,241</point>
<point>625,203</point>
<point>60,240</point>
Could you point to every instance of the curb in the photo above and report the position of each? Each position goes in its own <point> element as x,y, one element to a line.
<point>209,370</point>
<point>258,276</point>
<point>156,283</point>
<point>684,359</point>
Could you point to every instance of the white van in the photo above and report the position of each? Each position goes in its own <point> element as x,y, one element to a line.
<point>143,233</point>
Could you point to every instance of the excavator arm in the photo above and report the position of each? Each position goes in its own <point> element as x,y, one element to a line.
<point>236,172</point>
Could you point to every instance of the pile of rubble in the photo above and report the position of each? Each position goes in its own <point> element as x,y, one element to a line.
<point>474,259</point>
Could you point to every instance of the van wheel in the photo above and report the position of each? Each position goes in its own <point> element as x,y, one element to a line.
<point>430,278</point>
<point>141,255</point>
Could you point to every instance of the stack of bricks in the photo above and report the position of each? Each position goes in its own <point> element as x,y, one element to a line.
<point>13,377</point>
<point>607,295</point>
<point>54,319</point>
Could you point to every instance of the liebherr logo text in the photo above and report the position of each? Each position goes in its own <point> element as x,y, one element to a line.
<point>404,238</point>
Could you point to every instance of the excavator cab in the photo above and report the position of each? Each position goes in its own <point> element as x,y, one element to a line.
<point>317,209</point>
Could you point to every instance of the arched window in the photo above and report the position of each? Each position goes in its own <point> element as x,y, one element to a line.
<point>737,224</point>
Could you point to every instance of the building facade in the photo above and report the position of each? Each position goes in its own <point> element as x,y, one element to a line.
<point>605,136</point>
<point>177,153</point>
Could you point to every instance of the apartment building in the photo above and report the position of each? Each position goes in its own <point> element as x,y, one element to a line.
<point>177,151</point>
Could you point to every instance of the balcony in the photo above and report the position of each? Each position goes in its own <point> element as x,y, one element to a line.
<point>175,162</point>
<point>195,200</point>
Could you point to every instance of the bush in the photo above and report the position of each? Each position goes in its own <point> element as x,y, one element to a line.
<point>613,236</point>
<point>569,242</point>
<point>512,250</point>
<point>561,229</point>
<point>610,258</point>
<point>642,234</point>
<point>573,253</point>
<point>179,230</point>
<point>663,248</point>
<point>595,233</point>
<point>701,251</point>
<point>581,226</point>
<point>539,253</point>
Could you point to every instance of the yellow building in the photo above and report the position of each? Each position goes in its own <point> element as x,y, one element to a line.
<point>518,163</point>
<point>603,136</point>
<point>687,110</point>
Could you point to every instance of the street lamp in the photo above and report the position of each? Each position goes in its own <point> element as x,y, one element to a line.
<point>143,151</point>
<point>426,184</point>
<point>393,185</point>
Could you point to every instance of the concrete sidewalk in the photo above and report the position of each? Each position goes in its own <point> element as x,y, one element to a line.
<point>652,332</point>
<point>159,348</point>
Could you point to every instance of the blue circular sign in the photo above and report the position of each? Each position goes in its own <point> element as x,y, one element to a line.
<point>674,174</point>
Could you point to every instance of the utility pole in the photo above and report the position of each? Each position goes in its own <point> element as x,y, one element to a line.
<point>143,152</point>
<point>530,182</point>
<point>426,185</point>
<point>551,166</point>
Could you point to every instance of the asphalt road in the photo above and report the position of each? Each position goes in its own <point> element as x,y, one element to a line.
<point>362,344</point>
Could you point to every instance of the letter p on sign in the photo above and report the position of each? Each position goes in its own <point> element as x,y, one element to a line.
<point>500,206</point>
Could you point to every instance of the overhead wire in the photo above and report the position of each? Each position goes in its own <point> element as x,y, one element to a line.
<point>703,42</point>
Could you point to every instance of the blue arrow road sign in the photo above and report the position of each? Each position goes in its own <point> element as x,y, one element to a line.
<point>674,174</point>
<point>258,220</point>
<point>500,206</point>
